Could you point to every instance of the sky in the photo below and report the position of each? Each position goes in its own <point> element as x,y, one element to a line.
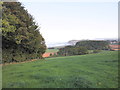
<point>64,21</point>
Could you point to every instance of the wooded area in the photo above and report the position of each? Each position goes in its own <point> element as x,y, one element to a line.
<point>82,47</point>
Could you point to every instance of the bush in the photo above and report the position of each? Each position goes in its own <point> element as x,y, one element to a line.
<point>72,50</point>
<point>50,54</point>
<point>82,50</point>
<point>96,51</point>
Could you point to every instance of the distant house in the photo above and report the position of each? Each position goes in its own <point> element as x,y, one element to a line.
<point>115,47</point>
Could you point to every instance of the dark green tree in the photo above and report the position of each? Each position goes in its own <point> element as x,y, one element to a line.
<point>21,38</point>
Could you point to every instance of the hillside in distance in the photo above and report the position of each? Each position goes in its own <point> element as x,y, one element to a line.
<point>73,42</point>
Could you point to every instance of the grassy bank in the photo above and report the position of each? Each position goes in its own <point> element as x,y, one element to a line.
<point>82,71</point>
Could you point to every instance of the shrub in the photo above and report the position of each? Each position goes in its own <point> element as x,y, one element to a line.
<point>96,51</point>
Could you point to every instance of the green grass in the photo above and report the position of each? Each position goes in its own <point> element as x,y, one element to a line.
<point>0,77</point>
<point>52,50</point>
<point>82,71</point>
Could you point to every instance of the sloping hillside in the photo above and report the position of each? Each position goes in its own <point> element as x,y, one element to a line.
<point>83,71</point>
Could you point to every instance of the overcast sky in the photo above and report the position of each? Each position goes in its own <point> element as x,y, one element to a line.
<point>64,21</point>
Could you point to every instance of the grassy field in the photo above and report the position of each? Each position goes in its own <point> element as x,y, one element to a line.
<point>52,50</point>
<point>0,77</point>
<point>83,71</point>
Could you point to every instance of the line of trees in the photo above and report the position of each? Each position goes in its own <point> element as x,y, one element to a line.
<point>21,39</point>
<point>83,47</point>
<point>94,44</point>
<point>72,50</point>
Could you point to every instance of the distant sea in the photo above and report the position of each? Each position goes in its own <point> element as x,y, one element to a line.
<point>54,44</point>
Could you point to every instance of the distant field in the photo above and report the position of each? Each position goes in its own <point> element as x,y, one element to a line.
<point>82,71</point>
<point>51,50</point>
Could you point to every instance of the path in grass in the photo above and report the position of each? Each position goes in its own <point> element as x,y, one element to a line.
<point>50,52</point>
<point>84,71</point>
